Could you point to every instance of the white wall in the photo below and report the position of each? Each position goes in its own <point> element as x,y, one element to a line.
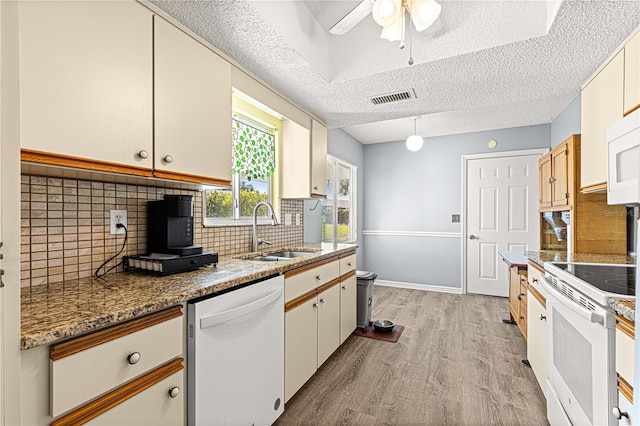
<point>418,192</point>
<point>567,123</point>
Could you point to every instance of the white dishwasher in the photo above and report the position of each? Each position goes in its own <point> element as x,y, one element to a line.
<point>235,351</point>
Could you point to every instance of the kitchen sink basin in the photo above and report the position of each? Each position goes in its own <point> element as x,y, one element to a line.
<point>289,254</point>
<point>266,258</point>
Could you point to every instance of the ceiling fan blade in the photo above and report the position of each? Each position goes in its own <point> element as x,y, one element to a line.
<point>352,18</point>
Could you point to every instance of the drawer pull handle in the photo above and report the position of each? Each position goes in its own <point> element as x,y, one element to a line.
<point>174,391</point>
<point>134,358</point>
<point>618,414</point>
<point>535,280</point>
<point>322,300</point>
<point>318,277</point>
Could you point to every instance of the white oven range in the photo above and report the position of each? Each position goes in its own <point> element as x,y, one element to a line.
<point>581,376</point>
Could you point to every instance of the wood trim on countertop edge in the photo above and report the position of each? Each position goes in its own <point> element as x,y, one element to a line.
<point>305,268</point>
<point>98,337</point>
<point>536,266</point>
<point>101,405</point>
<point>300,300</point>
<point>599,187</point>
<point>626,326</point>
<point>32,156</point>
<point>539,297</point>
<point>318,196</point>
<point>625,388</point>
<point>347,254</point>
<point>347,275</point>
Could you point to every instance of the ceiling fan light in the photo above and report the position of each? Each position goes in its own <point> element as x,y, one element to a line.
<point>424,13</point>
<point>385,12</point>
<point>415,142</point>
<point>393,32</point>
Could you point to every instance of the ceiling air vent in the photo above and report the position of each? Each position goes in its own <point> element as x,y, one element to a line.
<point>394,97</point>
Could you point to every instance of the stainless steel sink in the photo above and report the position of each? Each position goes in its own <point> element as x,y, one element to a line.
<point>266,258</point>
<point>289,254</point>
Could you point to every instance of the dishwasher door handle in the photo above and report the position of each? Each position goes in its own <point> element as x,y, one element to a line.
<point>234,313</point>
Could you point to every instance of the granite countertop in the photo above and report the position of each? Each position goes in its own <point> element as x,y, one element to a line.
<point>54,312</point>
<point>623,307</point>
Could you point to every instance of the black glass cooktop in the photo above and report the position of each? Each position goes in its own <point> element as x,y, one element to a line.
<point>620,279</point>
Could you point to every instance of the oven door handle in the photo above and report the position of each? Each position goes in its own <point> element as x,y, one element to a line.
<point>569,303</point>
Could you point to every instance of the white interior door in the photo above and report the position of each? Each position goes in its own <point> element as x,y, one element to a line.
<point>502,214</point>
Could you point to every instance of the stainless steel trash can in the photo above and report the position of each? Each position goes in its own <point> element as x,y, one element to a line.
<point>365,297</point>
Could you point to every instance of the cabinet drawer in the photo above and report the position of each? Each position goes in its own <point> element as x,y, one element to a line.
<point>533,279</point>
<point>624,355</point>
<point>523,292</point>
<point>303,280</point>
<point>157,398</point>
<point>347,264</point>
<point>84,368</point>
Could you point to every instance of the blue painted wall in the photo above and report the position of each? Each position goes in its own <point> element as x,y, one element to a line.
<point>567,123</point>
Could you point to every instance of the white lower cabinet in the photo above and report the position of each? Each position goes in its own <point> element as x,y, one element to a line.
<point>317,322</point>
<point>537,340</point>
<point>626,408</point>
<point>348,304</point>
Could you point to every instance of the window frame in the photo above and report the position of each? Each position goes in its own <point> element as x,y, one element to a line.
<point>353,200</point>
<point>236,219</point>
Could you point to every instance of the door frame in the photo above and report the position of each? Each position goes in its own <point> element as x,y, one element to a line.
<point>465,164</point>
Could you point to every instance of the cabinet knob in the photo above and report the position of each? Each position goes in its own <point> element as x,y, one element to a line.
<point>535,280</point>
<point>344,287</point>
<point>143,154</point>
<point>551,180</point>
<point>315,305</point>
<point>618,414</point>
<point>174,391</point>
<point>349,264</point>
<point>315,187</point>
<point>168,159</point>
<point>318,277</point>
<point>520,296</point>
<point>134,358</point>
<point>322,300</point>
<point>542,317</point>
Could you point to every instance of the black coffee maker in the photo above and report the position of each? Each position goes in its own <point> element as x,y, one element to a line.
<point>170,246</point>
<point>171,226</point>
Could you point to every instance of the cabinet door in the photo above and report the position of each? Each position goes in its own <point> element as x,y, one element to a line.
<point>86,80</point>
<point>348,293</point>
<point>192,108</point>
<point>560,176</point>
<point>328,323</point>
<point>537,341</point>
<point>301,346</point>
<point>296,160</point>
<point>153,406</point>
<point>318,159</point>
<point>602,101</point>
<point>632,74</point>
<point>544,186</point>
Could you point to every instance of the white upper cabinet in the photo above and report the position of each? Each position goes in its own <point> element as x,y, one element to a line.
<point>86,80</point>
<point>192,107</point>
<point>602,103</point>
<point>318,159</point>
<point>632,74</point>
<point>295,161</point>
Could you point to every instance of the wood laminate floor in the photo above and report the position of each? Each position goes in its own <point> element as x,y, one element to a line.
<point>455,363</point>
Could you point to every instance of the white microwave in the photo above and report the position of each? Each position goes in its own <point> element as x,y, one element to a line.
<point>623,140</point>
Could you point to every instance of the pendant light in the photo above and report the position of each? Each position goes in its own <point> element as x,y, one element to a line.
<point>415,141</point>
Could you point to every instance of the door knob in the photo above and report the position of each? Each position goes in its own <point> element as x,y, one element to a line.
<point>473,237</point>
<point>619,414</point>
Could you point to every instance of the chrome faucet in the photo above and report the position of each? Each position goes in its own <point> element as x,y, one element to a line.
<point>257,241</point>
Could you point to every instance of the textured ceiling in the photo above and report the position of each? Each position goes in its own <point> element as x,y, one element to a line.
<point>484,65</point>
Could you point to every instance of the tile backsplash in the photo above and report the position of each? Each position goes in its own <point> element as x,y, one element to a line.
<point>65,226</point>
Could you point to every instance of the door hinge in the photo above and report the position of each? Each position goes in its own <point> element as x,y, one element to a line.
<point>566,151</point>
<point>566,195</point>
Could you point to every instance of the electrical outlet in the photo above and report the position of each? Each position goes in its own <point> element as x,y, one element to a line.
<point>115,217</point>
<point>297,219</point>
<point>455,218</point>
<point>287,219</point>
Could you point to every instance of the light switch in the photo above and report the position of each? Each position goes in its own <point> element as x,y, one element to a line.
<point>287,218</point>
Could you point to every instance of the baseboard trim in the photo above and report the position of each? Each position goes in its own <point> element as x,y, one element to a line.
<point>423,287</point>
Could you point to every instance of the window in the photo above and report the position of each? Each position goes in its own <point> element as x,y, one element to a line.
<point>252,164</point>
<point>339,209</point>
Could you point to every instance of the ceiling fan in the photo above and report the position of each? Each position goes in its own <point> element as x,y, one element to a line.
<point>390,14</point>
